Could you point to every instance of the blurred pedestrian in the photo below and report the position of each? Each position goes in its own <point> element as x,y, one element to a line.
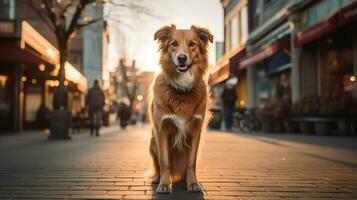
<point>43,116</point>
<point>229,97</point>
<point>95,102</point>
<point>124,113</point>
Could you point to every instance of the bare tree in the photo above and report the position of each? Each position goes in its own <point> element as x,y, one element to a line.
<point>66,18</point>
<point>55,13</point>
<point>129,81</point>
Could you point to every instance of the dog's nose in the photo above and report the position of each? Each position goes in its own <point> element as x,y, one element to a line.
<point>182,58</point>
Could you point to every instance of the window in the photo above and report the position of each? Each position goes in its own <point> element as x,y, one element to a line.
<point>4,9</point>
<point>244,25</point>
<point>234,33</point>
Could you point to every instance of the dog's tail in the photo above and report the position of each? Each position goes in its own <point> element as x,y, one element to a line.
<point>178,163</point>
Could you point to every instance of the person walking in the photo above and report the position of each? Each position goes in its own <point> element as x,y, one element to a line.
<point>95,103</point>
<point>229,97</point>
<point>124,113</point>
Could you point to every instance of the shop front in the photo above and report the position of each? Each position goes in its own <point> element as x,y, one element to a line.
<point>271,75</point>
<point>329,49</point>
<point>228,68</point>
<point>28,67</point>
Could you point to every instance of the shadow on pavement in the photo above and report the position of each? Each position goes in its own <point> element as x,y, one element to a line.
<point>338,142</point>
<point>345,163</point>
<point>178,192</point>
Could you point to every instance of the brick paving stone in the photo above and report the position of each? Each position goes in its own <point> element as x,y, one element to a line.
<point>231,166</point>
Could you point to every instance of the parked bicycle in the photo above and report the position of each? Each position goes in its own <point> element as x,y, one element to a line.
<point>245,120</point>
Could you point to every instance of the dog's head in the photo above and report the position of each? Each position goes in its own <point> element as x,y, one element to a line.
<point>183,50</point>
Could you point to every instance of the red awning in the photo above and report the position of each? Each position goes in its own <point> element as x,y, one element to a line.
<point>265,52</point>
<point>347,14</point>
<point>343,17</point>
<point>318,30</point>
<point>235,60</point>
<point>10,51</point>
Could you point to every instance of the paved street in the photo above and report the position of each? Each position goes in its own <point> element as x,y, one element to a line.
<point>231,166</point>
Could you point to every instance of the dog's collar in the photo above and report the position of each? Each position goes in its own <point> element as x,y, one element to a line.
<point>180,90</point>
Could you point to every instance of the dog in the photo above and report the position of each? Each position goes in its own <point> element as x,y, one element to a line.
<point>178,108</point>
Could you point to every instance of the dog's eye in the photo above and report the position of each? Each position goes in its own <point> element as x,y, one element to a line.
<point>174,44</point>
<point>192,44</point>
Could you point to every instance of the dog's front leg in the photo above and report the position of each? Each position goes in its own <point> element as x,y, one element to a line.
<point>191,180</point>
<point>165,182</point>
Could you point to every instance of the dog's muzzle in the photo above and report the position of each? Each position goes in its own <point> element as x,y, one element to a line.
<point>183,68</point>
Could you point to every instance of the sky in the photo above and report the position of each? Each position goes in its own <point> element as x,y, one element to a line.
<point>137,41</point>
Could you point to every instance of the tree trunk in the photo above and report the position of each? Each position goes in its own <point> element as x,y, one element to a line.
<point>63,50</point>
<point>60,99</point>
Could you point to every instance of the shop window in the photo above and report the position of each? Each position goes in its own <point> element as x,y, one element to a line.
<point>280,87</point>
<point>278,62</point>
<point>4,96</point>
<point>234,32</point>
<point>5,102</point>
<point>336,68</point>
<point>33,102</point>
<point>4,9</point>
<point>262,86</point>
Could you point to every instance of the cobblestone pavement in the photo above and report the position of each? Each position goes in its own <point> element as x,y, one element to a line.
<point>231,166</point>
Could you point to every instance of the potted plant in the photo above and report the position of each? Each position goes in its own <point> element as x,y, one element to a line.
<point>266,119</point>
<point>326,110</point>
<point>346,111</point>
<point>269,118</point>
<point>304,108</point>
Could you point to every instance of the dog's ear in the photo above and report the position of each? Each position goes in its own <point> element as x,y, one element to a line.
<point>203,33</point>
<point>163,33</point>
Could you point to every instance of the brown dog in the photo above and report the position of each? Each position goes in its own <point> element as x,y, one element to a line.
<point>178,108</point>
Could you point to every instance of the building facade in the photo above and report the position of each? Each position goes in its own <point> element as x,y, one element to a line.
<point>235,38</point>
<point>294,49</point>
<point>29,68</point>
<point>95,48</point>
<point>268,59</point>
<point>326,37</point>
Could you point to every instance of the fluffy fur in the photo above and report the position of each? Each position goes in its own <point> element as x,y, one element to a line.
<point>178,108</point>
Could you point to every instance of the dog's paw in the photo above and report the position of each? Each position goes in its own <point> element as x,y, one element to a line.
<point>163,188</point>
<point>194,187</point>
<point>155,180</point>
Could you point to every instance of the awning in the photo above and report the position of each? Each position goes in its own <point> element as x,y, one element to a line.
<point>341,18</point>
<point>221,73</point>
<point>265,52</point>
<point>72,74</point>
<point>229,66</point>
<point>11,51</point>
<point>318,30</point>
<point>32,48</point>
<point>234,62</point>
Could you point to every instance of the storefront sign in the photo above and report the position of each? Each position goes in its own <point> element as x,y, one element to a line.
<point>347,14</point>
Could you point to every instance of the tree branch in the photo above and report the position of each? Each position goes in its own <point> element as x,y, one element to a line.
<point>77,14</point>
<point>65,8</point>
<point>81,25</point>
<point>50,12</point>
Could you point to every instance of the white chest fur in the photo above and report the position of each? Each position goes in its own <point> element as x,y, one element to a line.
<point>185,80</point>
<point>180,137</point>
